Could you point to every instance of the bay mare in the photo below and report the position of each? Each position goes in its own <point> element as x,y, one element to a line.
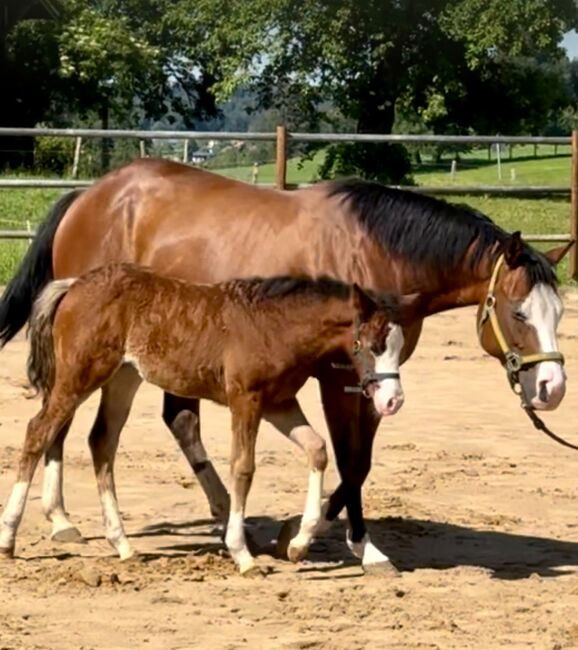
<point>191,224</point>
<point>247,344</point>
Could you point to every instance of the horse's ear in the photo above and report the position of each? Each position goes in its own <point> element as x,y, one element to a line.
<point>363,303</point>
<point>513,248</point>
<point>555,255</point>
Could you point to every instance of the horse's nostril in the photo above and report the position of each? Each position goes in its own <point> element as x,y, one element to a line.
<point>391,402</point>
<point>543,392</point>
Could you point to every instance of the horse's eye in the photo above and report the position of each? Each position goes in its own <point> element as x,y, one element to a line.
<point>518,315</point>
<point>378,348</point>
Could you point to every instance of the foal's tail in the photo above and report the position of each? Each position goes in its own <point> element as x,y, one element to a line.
<point>41,360</point>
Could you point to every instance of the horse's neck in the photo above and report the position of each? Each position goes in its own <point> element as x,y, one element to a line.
<point>465,288</point>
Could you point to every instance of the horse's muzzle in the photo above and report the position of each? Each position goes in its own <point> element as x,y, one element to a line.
<point>543,385</point>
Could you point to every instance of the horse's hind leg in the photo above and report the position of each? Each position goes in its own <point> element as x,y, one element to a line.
<point>116,401</point>
<point>291,422</point>
<point>52,493</point>
<point>181,415</point>
<point>53,418</point>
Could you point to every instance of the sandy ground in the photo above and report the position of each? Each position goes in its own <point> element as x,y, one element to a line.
<point>477,510</point>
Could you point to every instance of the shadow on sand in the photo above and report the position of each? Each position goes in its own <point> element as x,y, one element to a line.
<point>411,544</point>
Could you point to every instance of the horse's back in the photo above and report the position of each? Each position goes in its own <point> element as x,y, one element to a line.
<point>181,221</point>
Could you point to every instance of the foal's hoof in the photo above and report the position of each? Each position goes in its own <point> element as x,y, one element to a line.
<point>381,569</point>
<point>68,536</point>
<point>297,553</point>
<point>133,558</point>
<point>254,571</point>
<point>6,553</point>
<point>288,531</point>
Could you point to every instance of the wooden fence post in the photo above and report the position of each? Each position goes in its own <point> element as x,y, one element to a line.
<point>76,161</point>
<point>186,151</point>
<point>281,165</point>
<point>573,262</point>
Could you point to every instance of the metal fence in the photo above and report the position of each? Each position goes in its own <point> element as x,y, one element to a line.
<point>282,138</point>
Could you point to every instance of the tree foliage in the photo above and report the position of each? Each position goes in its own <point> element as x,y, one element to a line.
<point>459,65</point>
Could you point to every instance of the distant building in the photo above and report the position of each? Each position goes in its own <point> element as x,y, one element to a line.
<point>200,156</point>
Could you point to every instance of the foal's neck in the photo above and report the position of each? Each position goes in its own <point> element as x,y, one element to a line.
<point>331,327</point>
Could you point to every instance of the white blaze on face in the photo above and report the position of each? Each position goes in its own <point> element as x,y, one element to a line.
<point>543,310</point>
<point>388,397</point>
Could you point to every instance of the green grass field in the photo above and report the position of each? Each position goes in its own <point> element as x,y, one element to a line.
<point>528,215</point>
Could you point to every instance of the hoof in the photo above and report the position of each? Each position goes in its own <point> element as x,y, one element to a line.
<point>254,571</point>
<point>68,536</point>
<point>6,553</point>
<point>381,569</point>
<point>132,558</point>
<point>297,553</point>
<point>288,531</point>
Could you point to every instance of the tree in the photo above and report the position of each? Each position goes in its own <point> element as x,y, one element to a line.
<point>378,57</point>
<point>118,59</point>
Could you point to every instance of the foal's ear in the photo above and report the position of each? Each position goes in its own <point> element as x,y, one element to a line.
<point>412,307</point>
<point>555,255</point>
<point>513,248</point>
<point>363,303</point>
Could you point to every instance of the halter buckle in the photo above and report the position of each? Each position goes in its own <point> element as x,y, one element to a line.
<point>513,362</point>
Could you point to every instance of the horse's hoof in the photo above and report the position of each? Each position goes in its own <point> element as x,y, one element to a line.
<point>68,536</point>
<point>6,553</point>
<point>297,553</point>
<point>254,571</point>
<point>288,531</point>
<point>381,569</point>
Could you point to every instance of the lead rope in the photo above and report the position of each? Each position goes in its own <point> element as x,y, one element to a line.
<point>539,424</point>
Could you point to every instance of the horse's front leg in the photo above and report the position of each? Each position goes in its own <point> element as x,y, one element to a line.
<point>352,423</point>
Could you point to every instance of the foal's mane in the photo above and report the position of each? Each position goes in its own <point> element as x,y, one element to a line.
<point>302,287</point>
<point>431,232</point>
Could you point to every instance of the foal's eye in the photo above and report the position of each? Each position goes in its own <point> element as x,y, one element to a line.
<point>378,348</point>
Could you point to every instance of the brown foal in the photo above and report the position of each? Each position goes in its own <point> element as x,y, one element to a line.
<point>249,344</point>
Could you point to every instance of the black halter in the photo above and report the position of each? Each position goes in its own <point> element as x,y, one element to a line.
<point>366,362</point>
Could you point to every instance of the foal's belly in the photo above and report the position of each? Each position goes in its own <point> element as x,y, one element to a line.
<point>178,379</point>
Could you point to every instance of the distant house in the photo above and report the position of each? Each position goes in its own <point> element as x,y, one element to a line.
<point>200,156</point>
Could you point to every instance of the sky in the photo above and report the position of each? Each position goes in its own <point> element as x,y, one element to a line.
<point>570,42</point>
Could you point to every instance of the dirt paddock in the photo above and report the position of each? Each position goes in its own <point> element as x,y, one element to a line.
<point>477,510</point>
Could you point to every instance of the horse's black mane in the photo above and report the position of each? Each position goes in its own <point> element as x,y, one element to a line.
<point>431,232</point>
<point>302,286</point>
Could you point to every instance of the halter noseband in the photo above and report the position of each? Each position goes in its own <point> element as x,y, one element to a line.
<point>365,360</point>
<point>515,362</point>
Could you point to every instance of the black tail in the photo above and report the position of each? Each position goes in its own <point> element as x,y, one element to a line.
<point>34,274</point>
